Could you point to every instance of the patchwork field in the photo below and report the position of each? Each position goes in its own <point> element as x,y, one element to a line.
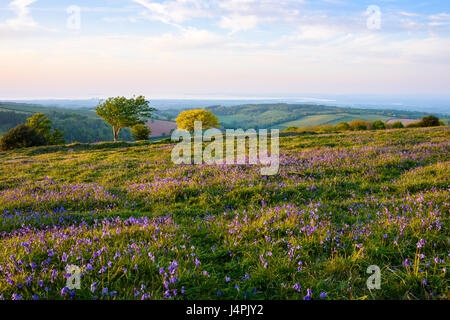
<point>283,116</point>
<point>318,120</point>
<point>140,227</point>
<point>161,128</point>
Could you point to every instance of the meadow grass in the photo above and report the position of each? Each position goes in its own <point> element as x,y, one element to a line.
<point>140,227</point>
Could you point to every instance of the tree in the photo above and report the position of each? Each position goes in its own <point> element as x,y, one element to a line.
<point>140,132</point>
<point>120,112</point>
<point>43,126</point>
<point>57,137</point>
<point>430,121</point>
<point>186,119</point>
<point>343,126</point>
<point>398,125</point>
<point>21,136</point>
<point>378,125</point>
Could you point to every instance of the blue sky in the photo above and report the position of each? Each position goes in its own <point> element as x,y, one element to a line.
<point>174,48</point>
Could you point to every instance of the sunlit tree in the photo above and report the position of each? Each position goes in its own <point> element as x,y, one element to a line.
<point>186,119</point>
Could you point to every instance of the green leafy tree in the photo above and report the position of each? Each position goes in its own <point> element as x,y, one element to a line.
<point>120,112</point>
<point>22,136</point>
<point>57,137</point>
<point>140,132</point>
<point>378,125</point>
<point>43,126</point>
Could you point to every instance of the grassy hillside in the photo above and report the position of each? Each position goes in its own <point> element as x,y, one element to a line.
<point>141,227</point>
<point>83,125</point>
<point>33,108</point>
<point>298,115</point>
<point>78,125</point>
<point>322,119</point>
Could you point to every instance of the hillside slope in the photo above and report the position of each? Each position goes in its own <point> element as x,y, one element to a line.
<point>141,227</point>
<point>79,125</point>
<point>283,115</point>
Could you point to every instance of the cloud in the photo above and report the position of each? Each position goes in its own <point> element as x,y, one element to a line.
<point>243,15</point>
<point>174,12</point>
<point>196,59</point>
<point>120,19</point>
<point>316,33</point>
<point>293,47</point>
<point>237,5</point>
<point>439,20</point>
<point>23,19</point>
<point>22,25</point>
<point>236,23</point>
<point>409,14</point>
<point>330,44</point>
<point>438,24</point>
<point>440,16</point>
<point>188,39</point>
<point>233,15</point>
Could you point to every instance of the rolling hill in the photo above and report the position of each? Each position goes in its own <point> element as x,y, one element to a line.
<point>83,125</point>
<point>79,125</point>
<point>282,115</point>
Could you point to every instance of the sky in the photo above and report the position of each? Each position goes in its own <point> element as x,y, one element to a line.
<point>222,48</point>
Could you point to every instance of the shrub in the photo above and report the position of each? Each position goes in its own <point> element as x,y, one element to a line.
<point>343,126</point>
<point>398,125</point>
<point>326,128</point>
<point>430,121</point>
<point>378,125</point>
<point>21,136</point>
<point>414,125</point>
<point>140,132</point>
<point>357,125</point>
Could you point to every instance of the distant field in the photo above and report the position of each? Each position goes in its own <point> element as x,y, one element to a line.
<point>31,109</point>
<point>311,121</point>
<point>296,115</point>
<point>161,128</point>
<point>405,122</point>
<point>337,118</point>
